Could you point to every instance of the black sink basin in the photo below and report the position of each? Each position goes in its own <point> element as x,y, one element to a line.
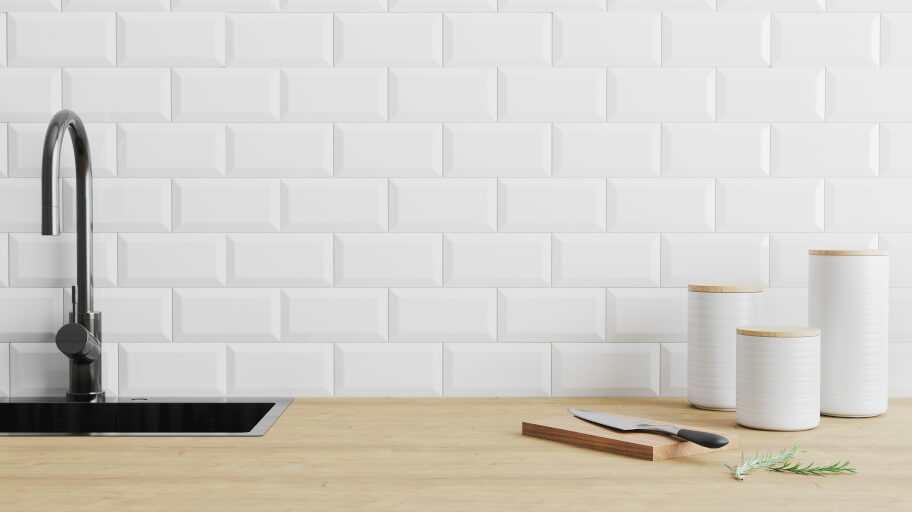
<point>140,417</point>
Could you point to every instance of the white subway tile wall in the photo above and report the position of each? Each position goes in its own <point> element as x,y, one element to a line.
<point>441,197</point>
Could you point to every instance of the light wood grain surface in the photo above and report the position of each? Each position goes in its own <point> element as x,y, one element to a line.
<point>450,454</point>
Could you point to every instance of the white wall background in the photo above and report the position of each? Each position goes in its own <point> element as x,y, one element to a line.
<point>405,200</point>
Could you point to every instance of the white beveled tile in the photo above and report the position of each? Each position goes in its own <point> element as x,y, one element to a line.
<point>284,150</point>
<point>443,204</point>
<point>334,205</point>
<point>61,39</point>
<point>331,5</point>
<point>789,253</point>
<point>38,370</point>
<point>585,260</point>
<point>868,95</point>
<point>771,5</point>
<point>4,151</point>
<point>552,315</point>
<point>661,5</point>
<point>784,306</point>
<point>226,314</point>
<point>442,5</point>
<point>226,5</point>
<point>900,247</point>
<point>29,95</point>
<point>549,5</point>
<point>656,94</point>
<point>30,5</point>
<point>900,321</point>
<point>4,262</point>
<point>615,39</point>
<point>896,39</point>
<point>770,95</point>
<point>130,315</point>
<point>551,95</point>
<point>338,314</point>
<point>20,205</point>
<point>368,259</point>
<point>674,370</point>
<point>497,370</point>
<point>716,150</point>
<point>39,261</point>
<point>388,150</point>
<point>4,370</point>
<point>451,95</point>
<point>265,40</point>
<point>783,204</point>
<point>711,39</point>
<point>388,370</point>
<point>715,257</point>
<point>226,94</point>
<point>500,259</point>
<point>192,150</point>
<point>607,150</point>
<point>668,204</point>
<point>451,315</point>
<point>242,204</point>
<point>30,314</point>
<point>287,259</point>
<point>825,150</point>
<point>171,259</point>
<point>560,204</point>
<point>26,142</point>
<point>832,40</point>
<point>605,370</point>
<point>194,370</point>
<point>869,205</point>
<point>365,40</point>
<point>117,94</point>
<point>193,39</point>
<point>496,150</point>
<point>900,378</point>
<point>895,155</point>
<point>122,205</point>
<point>647,315</point>
<point>480,40</point>
<point>280,369</point>
<point>334,95</point>
<point>119,5</point>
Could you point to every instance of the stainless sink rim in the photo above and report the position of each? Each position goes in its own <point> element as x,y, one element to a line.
<point>258,430</point>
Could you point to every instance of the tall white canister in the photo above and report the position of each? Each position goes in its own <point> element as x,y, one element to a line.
<point>778,377</point>
<point>713,313</point>
<point>848,298</point>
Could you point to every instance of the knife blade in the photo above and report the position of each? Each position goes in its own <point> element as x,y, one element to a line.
<point>626,424</point>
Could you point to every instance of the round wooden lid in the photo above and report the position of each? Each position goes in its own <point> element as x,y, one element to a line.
<point>848,252</point>
<point>779,331</point>
<point>725,287</point>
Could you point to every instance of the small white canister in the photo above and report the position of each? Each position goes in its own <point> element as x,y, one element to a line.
<point>713,313</point>
<point>778,377</point>
<point>848,298</point>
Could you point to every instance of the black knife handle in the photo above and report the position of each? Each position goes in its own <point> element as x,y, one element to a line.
<point>703,438</point>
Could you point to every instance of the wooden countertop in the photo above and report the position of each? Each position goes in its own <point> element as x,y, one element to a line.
<point>450,454</point>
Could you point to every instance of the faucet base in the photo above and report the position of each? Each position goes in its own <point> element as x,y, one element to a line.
<point>92,397</point>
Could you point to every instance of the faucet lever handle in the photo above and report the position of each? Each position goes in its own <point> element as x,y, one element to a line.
<point>73,311</point>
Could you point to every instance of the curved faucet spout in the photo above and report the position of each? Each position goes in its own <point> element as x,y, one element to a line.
<point>82,342</point>
<point>64,121</point>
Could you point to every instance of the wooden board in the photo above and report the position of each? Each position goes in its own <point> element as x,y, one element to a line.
<point>572,430</point>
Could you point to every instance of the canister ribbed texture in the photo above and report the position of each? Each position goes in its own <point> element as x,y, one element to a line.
<point>712,320</point>
<point>849,300</point>
<point>778,382</point>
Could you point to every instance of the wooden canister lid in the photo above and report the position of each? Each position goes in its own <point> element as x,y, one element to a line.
<point>848,252</point>
<point>725,287</point>
<point>779,331</point>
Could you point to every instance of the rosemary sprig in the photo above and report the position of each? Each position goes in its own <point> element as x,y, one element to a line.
<point>810,469</point>
<point>762,461</point>
<point>782,463</point>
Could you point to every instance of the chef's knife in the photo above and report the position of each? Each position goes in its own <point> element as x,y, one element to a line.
<point>629,424</point>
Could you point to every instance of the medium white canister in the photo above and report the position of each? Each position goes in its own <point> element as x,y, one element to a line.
<point>848,298</point>
<point>778,377</point>
<point>713,313</point>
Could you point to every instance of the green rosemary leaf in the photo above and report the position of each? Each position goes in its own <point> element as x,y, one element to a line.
<point>810,469</point>
<point>782,463</point>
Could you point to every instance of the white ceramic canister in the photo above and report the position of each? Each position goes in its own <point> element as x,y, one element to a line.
<point>713,313</point>
<point>778,377</point>
<point>849,299</point>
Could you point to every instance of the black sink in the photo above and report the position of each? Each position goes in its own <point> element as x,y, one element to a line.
<point>140,417</point>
